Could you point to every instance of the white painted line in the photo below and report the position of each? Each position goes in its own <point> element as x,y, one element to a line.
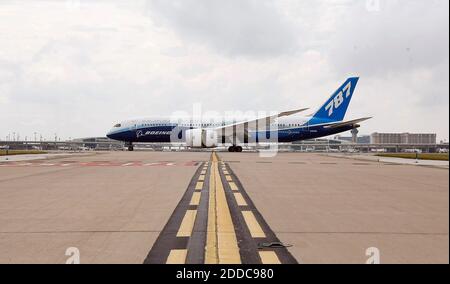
<point>150,164</point>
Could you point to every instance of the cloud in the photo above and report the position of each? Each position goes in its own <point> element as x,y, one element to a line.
<point>401,36</point>
<point>237,27</point>
<point>77,70</point>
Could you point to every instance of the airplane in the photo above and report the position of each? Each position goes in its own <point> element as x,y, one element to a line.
<point>210,133</point>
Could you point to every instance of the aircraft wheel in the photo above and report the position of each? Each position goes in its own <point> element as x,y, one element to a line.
<point>130,148</point>
<point>231,149</point>
<point>238,149</point>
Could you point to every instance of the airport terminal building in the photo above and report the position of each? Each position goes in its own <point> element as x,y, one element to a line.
<point>403,138</point>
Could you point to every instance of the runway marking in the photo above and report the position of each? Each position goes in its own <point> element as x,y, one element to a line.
<point>93,164</point>
<point>151,164</point>
<point>252,229</point>
<point>216,223</point>
<point>221,242</point>
<point>187,224</point>
<point>211,252</point>
<point>233,186</point>
<point>177,256</point>
<point>240,199</point>
<point>255,229</point>
<point>173,242</point>
<point>199,185</point>
<point>195,200</point>
<point>269,257</point>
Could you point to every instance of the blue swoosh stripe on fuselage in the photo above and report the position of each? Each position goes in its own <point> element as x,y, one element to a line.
<point>159,134</point>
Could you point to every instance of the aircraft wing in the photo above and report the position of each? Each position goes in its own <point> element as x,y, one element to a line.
<point>344,123</point>
<point>258,123</point>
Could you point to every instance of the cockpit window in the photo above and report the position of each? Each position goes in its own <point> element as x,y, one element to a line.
<point>117,125</point>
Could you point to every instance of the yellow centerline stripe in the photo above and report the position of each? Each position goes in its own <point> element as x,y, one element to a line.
<point>177,256</point>
<point>211,252</point>
<point>255,229</point>
<point>269,257</point>
<point>226,236</point>
<point>221,241</point>
<point>187,224</point>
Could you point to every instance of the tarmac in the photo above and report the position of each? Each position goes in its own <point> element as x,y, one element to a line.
<point>148,207</point>
<point>403,161</point>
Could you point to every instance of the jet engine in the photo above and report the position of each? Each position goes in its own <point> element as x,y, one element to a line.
<point>201,138</point>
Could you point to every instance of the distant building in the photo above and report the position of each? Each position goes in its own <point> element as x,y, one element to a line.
<point>362,139</point>
<point>99,143</point>
<point>403,138</point>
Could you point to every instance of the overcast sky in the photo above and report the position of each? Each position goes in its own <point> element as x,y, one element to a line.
<point>76,67</point>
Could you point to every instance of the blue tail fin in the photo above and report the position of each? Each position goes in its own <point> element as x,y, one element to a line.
<point>335,107</point>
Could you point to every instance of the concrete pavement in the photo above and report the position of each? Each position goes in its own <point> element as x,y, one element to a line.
<point>111,214</point>
<point>333,209</point>
<point>113,206</point>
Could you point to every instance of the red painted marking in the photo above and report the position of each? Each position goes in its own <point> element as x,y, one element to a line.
<point>97,164</point>
<point>192,163</point>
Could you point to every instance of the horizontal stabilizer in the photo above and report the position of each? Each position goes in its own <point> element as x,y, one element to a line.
<point>345,123</point>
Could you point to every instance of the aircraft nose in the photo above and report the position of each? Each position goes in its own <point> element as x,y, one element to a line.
<point>109,135</point>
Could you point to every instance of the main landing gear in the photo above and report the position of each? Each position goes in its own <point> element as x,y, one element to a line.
<point>235,149</point>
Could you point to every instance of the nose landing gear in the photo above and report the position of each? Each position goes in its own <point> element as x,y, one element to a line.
<point>130,146</point>
<point>235,149</point>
